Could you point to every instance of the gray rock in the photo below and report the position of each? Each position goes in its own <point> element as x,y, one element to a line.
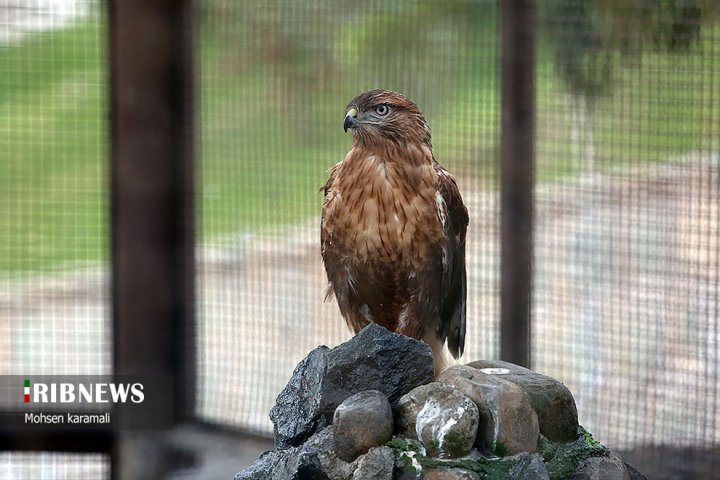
<point>267,463</point>
<point>445,473</point>
<point>633,473</point>
<point>563,458</point>
<point>529,466</point>
<point>361,422</point>
<point>410,405</point>
<point>297,413</point>
<point>447,423</point>
<point>336,468</point>
<point>289,464</point>
<point>315,460</point>
<point>375,359</point>
<point>407,451</point>
<point>411,464</point>
<point>309,466</point>
<point>552,401</point>
<point>508,423</point>
<point>601,468</point>
<point>377,464</point>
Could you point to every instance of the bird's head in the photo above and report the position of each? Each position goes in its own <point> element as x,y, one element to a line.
<point>378,116</point>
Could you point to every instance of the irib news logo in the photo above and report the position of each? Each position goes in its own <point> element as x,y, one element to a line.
<point>83,392</point>
<point>61,402</point>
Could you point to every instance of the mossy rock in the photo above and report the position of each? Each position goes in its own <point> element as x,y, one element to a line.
<point>562,459</point>
<point>410,455</point>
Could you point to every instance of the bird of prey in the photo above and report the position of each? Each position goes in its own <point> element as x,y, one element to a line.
<point>393,228</point>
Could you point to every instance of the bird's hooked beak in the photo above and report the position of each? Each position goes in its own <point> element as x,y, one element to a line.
<point>350,119</point>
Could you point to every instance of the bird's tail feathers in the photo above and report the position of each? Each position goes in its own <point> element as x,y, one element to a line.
<point>438,350</point>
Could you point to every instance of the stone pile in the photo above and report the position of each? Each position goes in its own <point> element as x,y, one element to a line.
<point>372,409</point>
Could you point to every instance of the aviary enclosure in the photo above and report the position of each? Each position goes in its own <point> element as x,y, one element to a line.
<point>159,172</point>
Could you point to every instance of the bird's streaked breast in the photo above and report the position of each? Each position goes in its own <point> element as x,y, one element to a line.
<point>377,205</point>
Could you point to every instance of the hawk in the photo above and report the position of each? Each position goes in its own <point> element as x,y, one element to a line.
<point>393,228</point>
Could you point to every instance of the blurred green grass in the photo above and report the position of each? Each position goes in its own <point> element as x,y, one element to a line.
<point>53,150</point>
<point>270,101</point>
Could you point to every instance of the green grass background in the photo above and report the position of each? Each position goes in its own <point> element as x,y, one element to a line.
<point>271,98</point>
<point>54,150</point>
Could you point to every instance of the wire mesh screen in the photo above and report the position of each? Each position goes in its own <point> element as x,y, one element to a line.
<point>627,251</point>
<point>54,306</point>
<point>627,191</point>
<point>53,188</point>
<point>53,466</point>
<point>276,77</point>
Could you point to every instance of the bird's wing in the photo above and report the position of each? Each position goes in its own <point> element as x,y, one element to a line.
<point>454,284</point>
<point>329,260</point>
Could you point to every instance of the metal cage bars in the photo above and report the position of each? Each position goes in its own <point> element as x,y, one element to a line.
<point>152,81</point>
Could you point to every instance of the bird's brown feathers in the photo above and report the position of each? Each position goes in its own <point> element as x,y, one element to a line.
<point>393,227</point>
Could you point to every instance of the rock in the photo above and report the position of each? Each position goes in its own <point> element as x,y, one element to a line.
<point>375,359</point>
<point>401,474</point>
<point>445,473</point>
<point>601,468</point>
<point>562,458</point>
<point>410,405</point>
<point>267,463</point>
<point>315,460</point>
<point>447,423</point>
<point>508,423</point>
<point>309,466</point>
<point>551,400</point>
<point>284,465</point>
<point>297,411</point>
<point>336,468</point>
<point>362,421</point>
<point>412,464</point>
<point>377,464</point>
<point>408,453</point>
<point>528,466</point>
<point>633,473</point>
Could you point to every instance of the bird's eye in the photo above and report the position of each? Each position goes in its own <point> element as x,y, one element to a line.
<point>382,109</point>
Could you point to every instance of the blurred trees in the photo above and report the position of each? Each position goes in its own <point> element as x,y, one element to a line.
<point>444,54</point>
<point>591,39</point>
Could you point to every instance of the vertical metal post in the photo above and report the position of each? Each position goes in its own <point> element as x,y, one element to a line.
<point>152,203</point>
<point>518,32</point>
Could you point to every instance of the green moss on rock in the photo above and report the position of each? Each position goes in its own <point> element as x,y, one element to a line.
<point>411,454</point>
<point>500,449</point>
<point>562,459</point>
<point>455,445</point>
